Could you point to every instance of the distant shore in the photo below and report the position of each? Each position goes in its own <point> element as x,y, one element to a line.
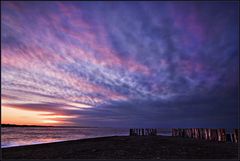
<point>14,125</point>
<point>126,147</point>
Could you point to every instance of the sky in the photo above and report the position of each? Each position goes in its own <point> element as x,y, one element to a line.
<point>120,64</point>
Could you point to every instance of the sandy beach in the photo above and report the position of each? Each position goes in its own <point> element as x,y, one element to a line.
<point>126,147</point>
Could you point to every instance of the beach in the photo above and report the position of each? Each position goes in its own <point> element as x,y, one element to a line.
<point>126,147</point>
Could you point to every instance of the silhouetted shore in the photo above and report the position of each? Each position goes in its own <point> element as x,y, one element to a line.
<point>126,147</point>
<point>14,125</point>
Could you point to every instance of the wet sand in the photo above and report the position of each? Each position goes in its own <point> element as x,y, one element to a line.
<point>126,147</point>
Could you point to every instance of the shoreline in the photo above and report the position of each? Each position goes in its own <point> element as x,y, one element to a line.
<point>126,147</point>
<point>40,143</point>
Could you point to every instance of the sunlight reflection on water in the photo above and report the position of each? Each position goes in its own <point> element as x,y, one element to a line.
<point>17,136</point>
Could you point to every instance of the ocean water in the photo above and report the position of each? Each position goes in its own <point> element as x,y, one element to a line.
<point>17,136</point>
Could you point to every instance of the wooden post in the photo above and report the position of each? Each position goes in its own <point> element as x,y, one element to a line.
<point>209,134</point>
<point>223,132</point>
<point>195,133</point>
<point>192,133</point>
<point>205,134</point>
<point>228,138</point>
<point>221,135</point>
<point>214,134</point>
<point>236,135</point>
<point>201,133</point>
<point>232,137</point>
<point>130,133</point>
<point>189,133</point>
<point>173,132</point>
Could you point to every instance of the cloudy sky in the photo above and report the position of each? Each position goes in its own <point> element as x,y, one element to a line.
<point>121,64</point>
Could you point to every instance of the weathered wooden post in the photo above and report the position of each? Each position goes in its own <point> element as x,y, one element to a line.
<point>223,134</point>
<point>173,132</point>
<point>228,138</point>
<point>201,133</point>
<point>192,133</point>
<point>195,133</point>
<point>188,133</point>
<point>219,134</point>
<point>205,134</point>
<point>198,133</point>
<point>232,137</point>
<point>214,134</point>
<point>179,132</point>
<point>236,135</point>
<point>209,134</point>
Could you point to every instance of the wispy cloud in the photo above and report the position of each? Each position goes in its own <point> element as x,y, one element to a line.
<point>122,62</point>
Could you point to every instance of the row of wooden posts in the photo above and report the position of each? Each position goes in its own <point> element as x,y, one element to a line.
<point>208,134</point>
<point>142,132</point>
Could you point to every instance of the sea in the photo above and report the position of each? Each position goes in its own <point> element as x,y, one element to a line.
<point>19,136</point>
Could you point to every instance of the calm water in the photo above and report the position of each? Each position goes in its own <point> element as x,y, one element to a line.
<point>16,136</point>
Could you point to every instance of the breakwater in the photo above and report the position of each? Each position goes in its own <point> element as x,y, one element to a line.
<point>207,134</point>
<point>143,132</point>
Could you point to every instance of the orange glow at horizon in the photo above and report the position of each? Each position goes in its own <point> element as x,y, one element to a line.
<point>11,115</point>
